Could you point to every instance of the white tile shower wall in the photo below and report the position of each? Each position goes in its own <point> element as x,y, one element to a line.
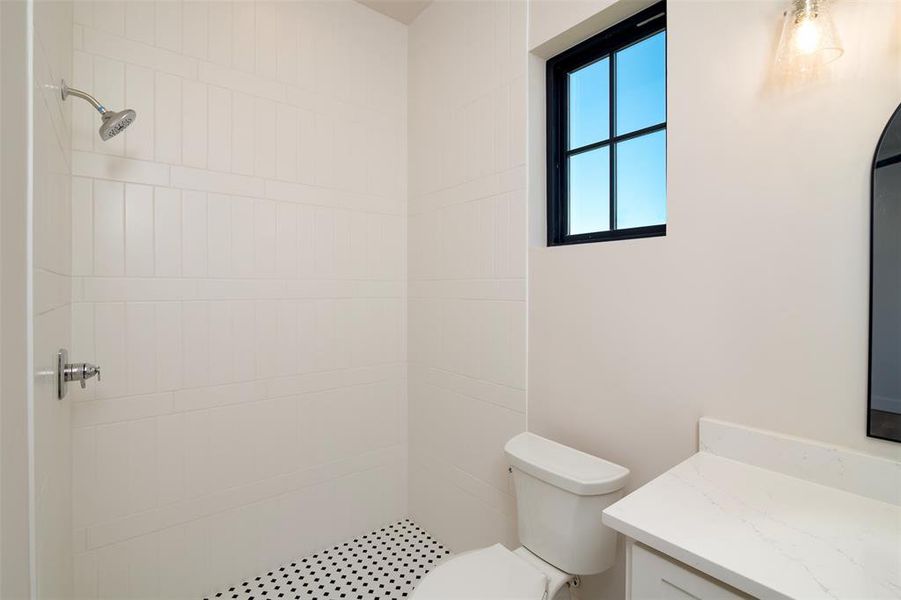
<point>52,47</point>
<point>239,258</point>
<point>467,267</point>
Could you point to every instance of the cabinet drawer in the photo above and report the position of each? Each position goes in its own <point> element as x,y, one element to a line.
<point>653,576</point>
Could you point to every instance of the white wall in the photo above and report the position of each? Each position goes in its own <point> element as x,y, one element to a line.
<point>15,109</point>
<point>753,308</point>
<point>467,250</point>
<point>52,268</point>
<point>239,275</point>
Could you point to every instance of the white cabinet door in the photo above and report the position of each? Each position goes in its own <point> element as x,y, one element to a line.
<point>656,577</point>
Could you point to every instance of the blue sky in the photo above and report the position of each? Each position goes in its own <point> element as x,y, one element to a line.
<point>640,162</point>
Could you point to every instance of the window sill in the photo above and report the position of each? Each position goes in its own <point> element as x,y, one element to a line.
<point>611,236</point>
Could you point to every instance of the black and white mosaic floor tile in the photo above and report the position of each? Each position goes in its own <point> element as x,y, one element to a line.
<point>381,565</point>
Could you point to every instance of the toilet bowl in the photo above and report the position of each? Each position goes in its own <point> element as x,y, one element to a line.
<point>560,495</point>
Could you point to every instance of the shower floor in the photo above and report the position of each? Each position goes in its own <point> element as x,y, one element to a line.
<point>383,564</point>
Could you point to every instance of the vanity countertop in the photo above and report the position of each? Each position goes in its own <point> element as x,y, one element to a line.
<point>768,534</point>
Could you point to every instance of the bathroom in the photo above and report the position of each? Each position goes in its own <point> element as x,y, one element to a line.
<point>323,299</point>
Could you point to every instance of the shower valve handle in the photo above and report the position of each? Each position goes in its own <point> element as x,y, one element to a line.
<point>79,372</point>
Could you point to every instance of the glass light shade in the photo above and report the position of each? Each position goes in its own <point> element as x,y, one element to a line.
<point>809,38</point>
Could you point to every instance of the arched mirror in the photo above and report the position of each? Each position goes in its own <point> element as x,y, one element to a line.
<point>884,415</point>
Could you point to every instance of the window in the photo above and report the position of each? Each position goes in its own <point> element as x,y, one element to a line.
<point>606,134</point>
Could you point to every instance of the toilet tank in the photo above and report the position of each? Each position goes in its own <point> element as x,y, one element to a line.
<point>560,495</point>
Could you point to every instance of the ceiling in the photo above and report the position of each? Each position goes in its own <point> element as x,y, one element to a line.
<point>404,11</point>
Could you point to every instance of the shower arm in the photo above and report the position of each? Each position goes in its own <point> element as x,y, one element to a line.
<point>67,91</point>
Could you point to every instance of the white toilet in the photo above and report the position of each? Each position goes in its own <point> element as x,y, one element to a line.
<point>560,493</point>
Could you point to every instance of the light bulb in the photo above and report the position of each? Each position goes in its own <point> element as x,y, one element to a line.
<point>807,35</point>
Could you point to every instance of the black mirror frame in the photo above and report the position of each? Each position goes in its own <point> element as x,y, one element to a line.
<point>896,114</point>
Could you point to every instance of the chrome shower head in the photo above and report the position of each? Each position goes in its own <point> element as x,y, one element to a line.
<point>114,122</point>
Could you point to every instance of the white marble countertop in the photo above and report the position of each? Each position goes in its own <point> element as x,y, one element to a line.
<point>768,534</point>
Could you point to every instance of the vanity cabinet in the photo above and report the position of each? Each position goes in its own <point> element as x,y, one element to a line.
<point>655,576</point>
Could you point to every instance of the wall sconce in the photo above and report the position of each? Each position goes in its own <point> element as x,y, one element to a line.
<point>809,38</point>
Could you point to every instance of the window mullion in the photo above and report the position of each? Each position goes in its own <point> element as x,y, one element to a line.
<point>612,153</point>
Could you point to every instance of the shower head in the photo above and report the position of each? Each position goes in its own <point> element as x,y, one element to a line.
<point>114,122</point>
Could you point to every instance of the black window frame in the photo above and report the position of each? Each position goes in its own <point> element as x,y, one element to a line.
<point>636,28</point>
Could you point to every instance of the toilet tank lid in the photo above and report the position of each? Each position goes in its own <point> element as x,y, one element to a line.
<point>564,467</point>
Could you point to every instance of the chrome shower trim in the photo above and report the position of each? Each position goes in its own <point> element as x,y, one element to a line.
<point>66,91</point>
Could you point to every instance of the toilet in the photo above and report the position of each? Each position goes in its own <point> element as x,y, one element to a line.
<point>560,494</point>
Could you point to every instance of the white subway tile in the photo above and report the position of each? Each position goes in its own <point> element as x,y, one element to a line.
<point>266,39</point>
<point>307,151</point>
<point>109,15</point>
<point>85,574</point>
<point>219,130</point>
<point>286,240</point>
<point>195,28</point>
<point>324,243</point>
<point>277,452</point>
<point>266,338</point>
<point>84,477</point>
<point>83,12</point>
<point>243,33</point>
<point>242,237</point>
<point>306,255</point>
<point>220,33</point>
<point>306,337</point>
<point>325,163</point>
<point>140,335</point>
<point>265,139</point>
<point>286,142</point>
<point>168,25</point>
<point>244,347</point>
<point>109,228</point>
<point>194,124</point>
<point>167,232</point>
<point>193,234</point>
<point>142,487</point>
<point>244,121</point>
<point>264,234</point>
<point>170,465</point>
<point>129,569</point>
<point>111,490</point>
<point>167,118</point>
<point>140,21</point>
<point>82,226</point>
<point>184,561</point>
<point>196,343</point>
<point>221,342</point>
<point>286,343</point>
<point>138,230</point>
<point>287,51</point>
<point>219,235</point>
<point>168,348</point>
<point>231,463</point>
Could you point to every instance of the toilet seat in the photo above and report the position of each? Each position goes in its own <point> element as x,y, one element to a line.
<point>490,573</point>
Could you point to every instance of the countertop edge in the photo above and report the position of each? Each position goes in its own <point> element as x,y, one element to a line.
<point>717,571</point>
